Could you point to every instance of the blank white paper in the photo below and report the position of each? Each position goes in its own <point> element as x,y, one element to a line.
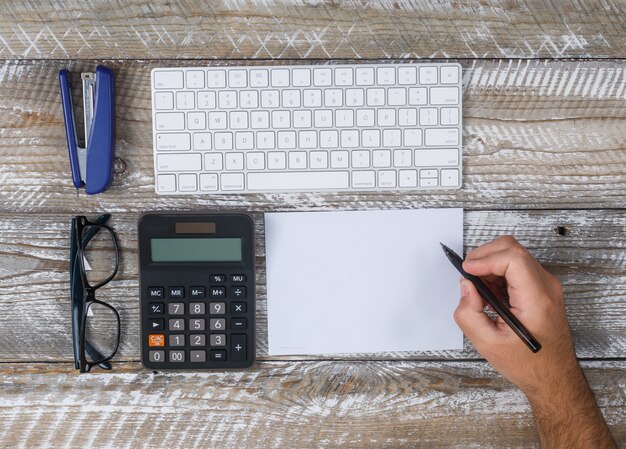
<point>362,281</point>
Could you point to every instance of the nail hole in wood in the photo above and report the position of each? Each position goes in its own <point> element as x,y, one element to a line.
<point>562,230</point>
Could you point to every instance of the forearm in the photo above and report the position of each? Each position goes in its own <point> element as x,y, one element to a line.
<point>567,416</point>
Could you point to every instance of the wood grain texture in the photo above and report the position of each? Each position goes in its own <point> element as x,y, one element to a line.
<point>536,135</point>
<point>294,29</point>
<point>35,310</point>
<point>321,404</point>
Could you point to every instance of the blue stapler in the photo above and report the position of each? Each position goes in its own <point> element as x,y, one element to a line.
<point>92,165</point>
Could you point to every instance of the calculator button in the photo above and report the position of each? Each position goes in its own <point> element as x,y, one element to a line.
<point>218,355</point>
<point>196,308</point>
<point>197,292</point>
<point>177,324</point>
<point>197,356</point>
<point>197,340</point>
<point>196,324</point>
<point>177,356</point>
<point>217,292</point>
<point>238,291</point>
<point>217,324</point>
<point>217,340</point>
<point>156,340</point>
<point>237,278</point>
<point>156,292</point>
<point>238,307</point>
<point>176,308</point>
<point>238,324</point>
<point>156,324</point>
<point>176,292</point>
<point>156,356</point>
<point>155,307</point>
<point>217,278</point>
<point>176,340</point>
<point>238,347</point>
<point>217,308</point>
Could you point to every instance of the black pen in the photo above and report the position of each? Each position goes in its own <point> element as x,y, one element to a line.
<point>500,309</point>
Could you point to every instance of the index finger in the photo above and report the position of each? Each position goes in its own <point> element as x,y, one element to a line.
<point>494,246</point>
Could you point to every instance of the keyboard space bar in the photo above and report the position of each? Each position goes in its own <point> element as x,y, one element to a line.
<point>306,180</point>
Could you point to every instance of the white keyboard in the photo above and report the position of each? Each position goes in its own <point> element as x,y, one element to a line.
<point>307,128</point>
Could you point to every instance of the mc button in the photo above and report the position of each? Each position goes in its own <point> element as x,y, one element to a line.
<point>155,292</point>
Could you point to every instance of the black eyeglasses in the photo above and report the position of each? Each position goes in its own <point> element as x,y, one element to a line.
<point>94,261</point>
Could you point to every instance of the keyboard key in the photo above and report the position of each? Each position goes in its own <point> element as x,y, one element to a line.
<point>156,324</point>
<point>363,179</point>
<point>375,97</point>
<point>449,75</point>
<point>238,119</point>
<point>428,116</point>
<point>343,77</point>
<point>381,158</point>
<point>441,137</point>
<point>255,160</point>
<point>232,181</point>
<point>244,140</point>
<point>339,159</point>
<point>187,182</point>
<point>407,178</point>
<point>216,78</point>
<point>387,178</point>
<point>270,98</point>
<point>166,183</point>
<point>208,182</point>
<point>365,76</point>
<point>206,100</point>
<point>361,159</point>
<point>407,76</point>
<point>318,159</point>
<point>412,137</point>
<point>436,158</point>
<point>237,78</point>
<point>301,77</point>
<point>195,79</point>
<point>259,78</point>
<point>450,177</point>
<point>179,162</point>
<point>444,95</point>
<point>249,99</point>
<point>428,75</point>
<point>176,340</point>
<point>417,96</point>
<point>223,141</point>
<point>396,96</point>
<point>291,98</point>
<point>312,98</point>
<point>227,99</point>
<point>329,139</point>
<point>307,139</point>
<point>266,140</point>
<point>185,100</point>
<point>171,79</point>
<point>196,121</point>
<point>213,161</point>
<point>163,100</point>
<point>217,324</point>
<point>322,77</point>
<point>355,97</point>
<point>297,160</point>
<point>402,158</point>
<point>286,181</point>
<point>169,121</point>
<point>173,142</point>
<point>201,141</point>
<point>449,116</point>
<point>286,140</point>
<point>370,138</point>
<point>176,308</point>
<point>386,76</point>
<point>280,77</point>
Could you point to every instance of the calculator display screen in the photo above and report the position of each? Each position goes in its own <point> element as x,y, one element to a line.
<point>196,250</point>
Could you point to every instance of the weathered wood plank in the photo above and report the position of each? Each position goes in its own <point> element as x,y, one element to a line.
<point>34,300</point>
<point>283,404</point>
<point>272,29</point>
<point>537,134</point>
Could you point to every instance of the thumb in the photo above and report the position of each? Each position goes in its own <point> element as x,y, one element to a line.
<point>469,315</point>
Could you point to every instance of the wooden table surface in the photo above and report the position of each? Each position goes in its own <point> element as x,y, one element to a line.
<point>544,154</point>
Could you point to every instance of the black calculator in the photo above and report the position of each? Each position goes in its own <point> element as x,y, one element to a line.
<point>197,290</point>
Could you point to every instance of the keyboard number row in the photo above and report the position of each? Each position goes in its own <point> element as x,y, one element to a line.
<point>310,98</point>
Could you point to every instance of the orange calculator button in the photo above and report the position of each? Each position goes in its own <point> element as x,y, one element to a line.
<point>156,340</point>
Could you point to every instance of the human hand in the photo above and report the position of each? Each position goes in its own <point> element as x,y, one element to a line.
<point>564,407</point>
<point>536,299</point>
